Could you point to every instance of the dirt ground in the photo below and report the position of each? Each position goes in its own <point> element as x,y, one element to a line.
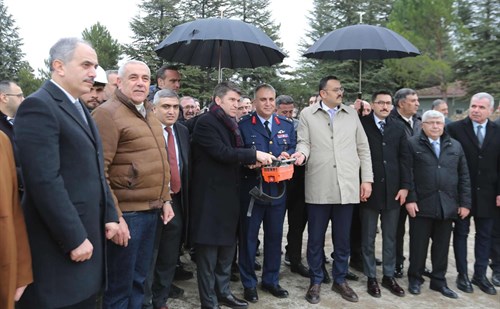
<point>297,287</point>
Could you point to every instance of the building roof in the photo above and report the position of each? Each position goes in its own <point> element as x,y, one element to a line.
<point>455,89</point>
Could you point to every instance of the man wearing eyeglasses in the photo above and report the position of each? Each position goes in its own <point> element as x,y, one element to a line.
<point>333,145</point>
<point>440,193</point>
<point>11,96</point>
<point>405,111</point>
<point>390,163</point>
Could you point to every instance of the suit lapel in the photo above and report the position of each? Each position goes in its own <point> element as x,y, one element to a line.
<point>490,132</point>
<point>469,131</point>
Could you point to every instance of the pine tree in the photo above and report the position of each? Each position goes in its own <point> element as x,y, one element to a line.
<point>108,49</point>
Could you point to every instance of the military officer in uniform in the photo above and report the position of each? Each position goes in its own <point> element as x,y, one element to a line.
<point>265,131</point>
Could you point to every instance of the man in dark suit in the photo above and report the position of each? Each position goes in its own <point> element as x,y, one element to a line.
<point>440,193</point>
<point>479,139</point>
<point>67,203</point>
<point>11,96</point>
<point>218,153</point>
<point>390,164</point>
<point>265,131</point>
<point>169,237</point>
<point>495,243</point>
<point>407,104</point>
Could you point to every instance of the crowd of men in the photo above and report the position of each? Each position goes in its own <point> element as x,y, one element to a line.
<point>117,177</point>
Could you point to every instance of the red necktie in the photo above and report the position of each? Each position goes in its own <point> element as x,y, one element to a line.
<point>175,178</point>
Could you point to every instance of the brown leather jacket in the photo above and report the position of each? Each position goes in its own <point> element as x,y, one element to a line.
<point>135,157</point>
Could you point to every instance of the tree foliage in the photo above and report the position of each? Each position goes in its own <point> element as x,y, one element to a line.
<point>11,54</point>
<point>108,49</point>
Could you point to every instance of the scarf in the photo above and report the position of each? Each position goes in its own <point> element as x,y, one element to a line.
<point>228,122</point>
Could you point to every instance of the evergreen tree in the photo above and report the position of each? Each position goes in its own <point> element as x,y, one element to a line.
<point>11,55</point>
<point>108,49</point>
<point>479,52</point>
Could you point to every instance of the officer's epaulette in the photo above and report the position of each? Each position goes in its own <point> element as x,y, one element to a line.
<point>245,118</point>
<point>283,118</point>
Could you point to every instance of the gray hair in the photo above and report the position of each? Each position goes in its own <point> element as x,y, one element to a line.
<point>401,94</point>
<point>484,95</point>
<point>64,49</point>
<point>109,72</point>
<point>164,93</point>
<point>284,99</point>
<point>121,70</point>
<point>266,86</point>
<point>432,114</point>
<point>436,103</point>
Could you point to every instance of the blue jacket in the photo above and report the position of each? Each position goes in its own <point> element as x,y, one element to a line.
<point>255,136</point>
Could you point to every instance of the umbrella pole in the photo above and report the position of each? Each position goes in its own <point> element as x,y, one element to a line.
<point>220,60</point>
<point>359,90</point>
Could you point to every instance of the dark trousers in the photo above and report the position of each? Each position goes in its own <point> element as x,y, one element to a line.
<point>482,244</point>
<point>213,272</point>
<point>400,237</point>
<point>271,217</point>
<point>369,220</point>
<point>318,216</point>
<point>166,253</point>
<point>93,302</point>
<point>421,231</point>
<point>495,243</point>
<point>297,215</point>
<point>129,266</point>
<point>356,254</point>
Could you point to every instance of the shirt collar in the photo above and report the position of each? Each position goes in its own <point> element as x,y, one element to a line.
<point>70,97</point>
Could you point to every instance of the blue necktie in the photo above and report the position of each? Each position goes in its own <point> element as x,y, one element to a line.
<point>381,124</point>
<point>480,136</point>
<point>79,107</point>
<point>435,145</point>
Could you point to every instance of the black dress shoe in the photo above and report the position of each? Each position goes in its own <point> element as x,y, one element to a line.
<point>300,269</point>
<point>250,294</point>
<point>351,276</point>
<point>181,274</point>
<point>312,295</point>
<point>414,287</point>
<point>427,273</point>
<point>175,292</point>
<point>463,283</point>
<point>326,276</point>
<point>392,285</point>
<point>484,284</point>
<point>495,279</point>
<point>398,272</point>
<point>345,291</point>
<point>276,291</point>
<point>446,291</point>
<point>372,287</point>
<point>232,302</point>
<point>257,266</point>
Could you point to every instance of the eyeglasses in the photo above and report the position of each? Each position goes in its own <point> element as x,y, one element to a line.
<point>434,123</point>
<point>382,103</point>
<point>340,89</point>
<point>19,95</point>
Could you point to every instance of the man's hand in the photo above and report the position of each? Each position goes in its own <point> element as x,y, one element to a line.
<point>299,158</point>
<point>122,235</point>
<point>463,212</point>
<point>168,212</point>
<point>365,191</point>
<point>401,196</point>
<point>19,293</point>
<point>498,200</point>
<point>83,252</point>
<point>264,157</point>
<point>412,209</point>
<point>111,228</point>
<point>284,156</point>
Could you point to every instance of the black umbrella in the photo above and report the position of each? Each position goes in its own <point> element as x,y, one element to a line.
<point>362,42</point>
<point>219,43</point>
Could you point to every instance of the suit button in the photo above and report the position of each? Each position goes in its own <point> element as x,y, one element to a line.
<point>480,157</point>
<point>382,180</point>
<point>270,142</point>
<point>331,137</point>
<point>439,166</point>
<point>478,189</point>
<point>385,162</point>
<point>383,143</point>
<point>335,166</point>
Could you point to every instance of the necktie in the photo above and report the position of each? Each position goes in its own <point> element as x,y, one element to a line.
<point>381,124</point>
<point>332,112</point>
<point>435,145</point>
<point>175,177</point>
<point>480,136</point>
<point>79,107</point>
<point>142,110</point>
<point>266,125</point>
<point>410,121</point>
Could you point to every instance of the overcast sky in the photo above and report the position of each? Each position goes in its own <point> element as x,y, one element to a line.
<point>42,22</point>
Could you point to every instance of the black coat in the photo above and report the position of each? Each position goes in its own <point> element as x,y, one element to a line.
<point>215,207</point>
<point>484,164</point>
<point>184,148</point>
<point>8,129</point>
<point>66,200</point>
<point>440,185</point>
<point>390,162</point>
<point>417,123</point>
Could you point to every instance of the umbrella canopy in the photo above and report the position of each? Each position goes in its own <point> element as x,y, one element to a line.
<point>219,43</point>
<point>361,42</point>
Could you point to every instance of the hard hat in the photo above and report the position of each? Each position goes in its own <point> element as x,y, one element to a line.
<point>100,76</point>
